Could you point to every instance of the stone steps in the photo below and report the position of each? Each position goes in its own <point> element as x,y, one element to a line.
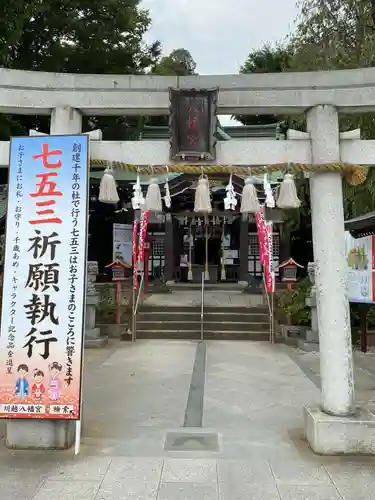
<point>196,325</point>
<point>207,334</point>
<point>196,316</point>
<point>226,323</point>
<point>207,309</point>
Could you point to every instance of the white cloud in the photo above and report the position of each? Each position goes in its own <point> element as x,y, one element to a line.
<point>218,33</point>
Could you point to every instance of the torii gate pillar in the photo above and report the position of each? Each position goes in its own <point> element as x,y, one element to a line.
<point>334,427</point>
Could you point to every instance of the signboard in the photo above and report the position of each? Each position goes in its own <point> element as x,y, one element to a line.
<point>360,258</point>
<point>44,278</point>
<point>123,243</point>
<point>193,124</point>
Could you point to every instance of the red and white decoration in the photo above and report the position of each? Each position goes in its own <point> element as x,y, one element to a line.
<point>135,253</point>
<point>142,237</point>
<point>264,229</point>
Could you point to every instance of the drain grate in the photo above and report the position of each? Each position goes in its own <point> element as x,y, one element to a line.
<point>191,441</point>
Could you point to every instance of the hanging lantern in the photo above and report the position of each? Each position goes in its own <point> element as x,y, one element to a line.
<point>230,200</point>
<point>249,203</point>
<point>202,202</point>
<point>138,200</point>
<point>288,197</point>
<point>153,197</point>
<point>108,189</point>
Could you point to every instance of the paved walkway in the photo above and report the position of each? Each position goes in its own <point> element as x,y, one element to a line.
<point>179,421</point>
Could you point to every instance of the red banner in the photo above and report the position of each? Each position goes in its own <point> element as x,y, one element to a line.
<point>259,218</point>
<point>142,237</point>
<point>264,229</point>
<point>268,257</point>
<point>135,253</point>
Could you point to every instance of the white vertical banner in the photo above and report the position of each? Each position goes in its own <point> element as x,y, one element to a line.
<point>41,341</point>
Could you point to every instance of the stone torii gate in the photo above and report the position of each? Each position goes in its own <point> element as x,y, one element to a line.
<point>336,426</point>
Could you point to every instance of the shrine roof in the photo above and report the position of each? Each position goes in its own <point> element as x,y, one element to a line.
<point>363,225</point>
<point>272,130</point>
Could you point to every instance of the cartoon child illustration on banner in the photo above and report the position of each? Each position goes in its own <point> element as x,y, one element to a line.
<point>55,383</point>
<point>38,389</point>
<point>22,384</point>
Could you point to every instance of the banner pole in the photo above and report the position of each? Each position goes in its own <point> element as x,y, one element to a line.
<point>77,443</point>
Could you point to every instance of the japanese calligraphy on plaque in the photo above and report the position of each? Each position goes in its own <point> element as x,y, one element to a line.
<point>41,338</point>
<point>193,124</point>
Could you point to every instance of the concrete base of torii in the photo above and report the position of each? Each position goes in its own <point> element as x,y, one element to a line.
<point>331,435</point>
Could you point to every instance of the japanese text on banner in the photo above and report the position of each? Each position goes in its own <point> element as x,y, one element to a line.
<point>43,293</point>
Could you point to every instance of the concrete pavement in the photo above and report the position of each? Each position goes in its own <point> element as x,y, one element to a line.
<point>161,424</point>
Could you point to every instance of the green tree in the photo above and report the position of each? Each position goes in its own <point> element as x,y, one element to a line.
<point>78,36</point>
<point>339,34</point>
<point>334,34</point>
<point>267,59</point>
<point>179,62</point>
<point>14,16</point>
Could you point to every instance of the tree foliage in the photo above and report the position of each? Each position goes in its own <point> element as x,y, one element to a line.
<point>267,59</point>
<point>340,34</point>
<point>179,62</point>
<point>81,36</point>
<point>78,36</point>
<point>330,34</point>
<point>334,34</point>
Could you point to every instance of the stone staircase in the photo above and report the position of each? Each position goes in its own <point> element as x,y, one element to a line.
<point>220,323</point>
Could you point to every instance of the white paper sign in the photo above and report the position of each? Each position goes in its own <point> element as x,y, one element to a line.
<point>123,243</point>
<point>360,268</point>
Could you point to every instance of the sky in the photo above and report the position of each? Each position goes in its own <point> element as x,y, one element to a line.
<point>218,33</point>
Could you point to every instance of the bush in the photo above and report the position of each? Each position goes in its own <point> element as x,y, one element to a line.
<point>292,304</point>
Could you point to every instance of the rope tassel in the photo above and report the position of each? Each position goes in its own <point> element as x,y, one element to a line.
<point>288,197</point>
<point>249,203</point>
<point>202,202</point>
<point>153,197</point>
<point>108,189</point>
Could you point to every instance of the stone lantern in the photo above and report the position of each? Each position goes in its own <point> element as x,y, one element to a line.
<point>92,333</point>
<point>312,336</point>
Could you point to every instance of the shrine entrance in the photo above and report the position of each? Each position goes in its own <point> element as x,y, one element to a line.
<point>213,250</point>
<point>207,244</point>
